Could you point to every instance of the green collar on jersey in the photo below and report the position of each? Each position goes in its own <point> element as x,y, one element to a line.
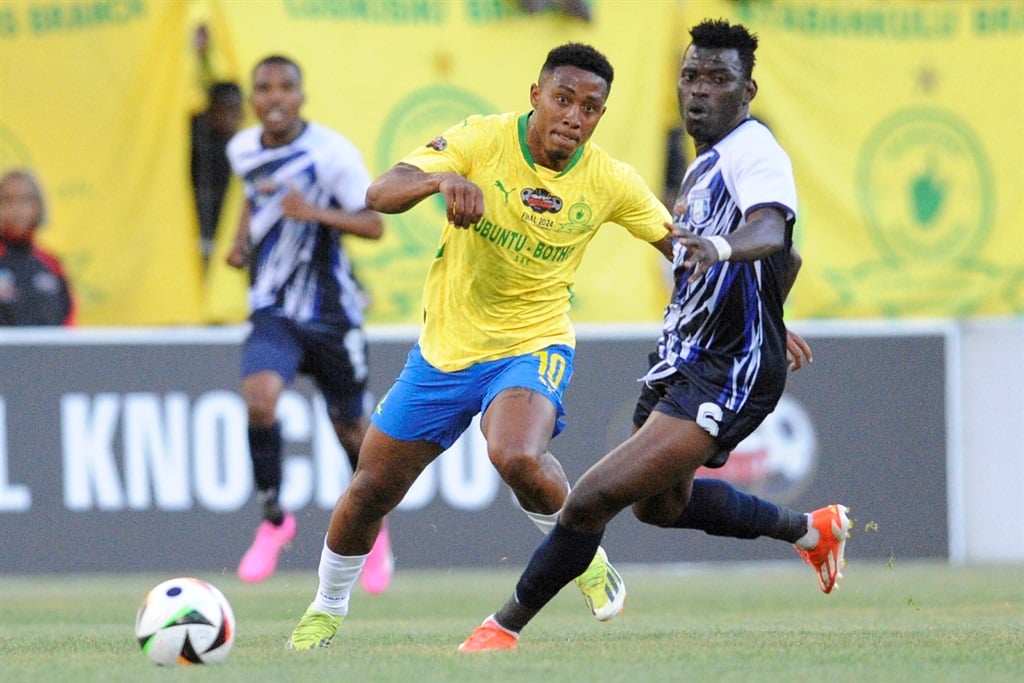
<point>529,157</point>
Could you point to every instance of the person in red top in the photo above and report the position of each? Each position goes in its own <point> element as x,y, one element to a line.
<point>34,289</point>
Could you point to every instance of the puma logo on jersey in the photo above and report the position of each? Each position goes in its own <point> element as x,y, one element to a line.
<point>497,184</point>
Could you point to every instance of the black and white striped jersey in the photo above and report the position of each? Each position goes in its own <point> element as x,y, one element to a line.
<point>725,331</point>
<point>299,268</point>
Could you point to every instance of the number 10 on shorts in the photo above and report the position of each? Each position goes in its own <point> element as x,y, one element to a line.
<point>551,368</point>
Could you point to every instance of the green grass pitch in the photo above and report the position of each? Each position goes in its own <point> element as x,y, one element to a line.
<point>751,622</point>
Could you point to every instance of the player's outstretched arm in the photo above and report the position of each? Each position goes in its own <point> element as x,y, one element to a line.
<point>761,235</point>
<point>403,186</point>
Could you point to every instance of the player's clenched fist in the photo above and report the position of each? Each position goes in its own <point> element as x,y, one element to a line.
<point>464,202</point>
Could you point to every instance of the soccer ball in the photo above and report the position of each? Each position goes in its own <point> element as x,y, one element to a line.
<point>185,621</point>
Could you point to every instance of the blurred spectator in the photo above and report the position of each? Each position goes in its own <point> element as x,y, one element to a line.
<point>675,166</point>
<point>33,287</point>
<point>211,172</point>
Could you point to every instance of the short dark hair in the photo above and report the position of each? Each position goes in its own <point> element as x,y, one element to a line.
<point>225,90</point>
<point>582,57</point>
<point>719,34</point>
<point>281,60</point>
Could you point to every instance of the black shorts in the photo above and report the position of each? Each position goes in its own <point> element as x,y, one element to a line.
<point>679,396</point>
<point>334,357</point>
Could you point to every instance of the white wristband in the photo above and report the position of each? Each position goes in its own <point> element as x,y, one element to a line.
<point>722,246</point>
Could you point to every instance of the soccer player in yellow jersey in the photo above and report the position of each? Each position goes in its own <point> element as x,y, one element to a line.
<point>525,194</point>
<point>721,362</point>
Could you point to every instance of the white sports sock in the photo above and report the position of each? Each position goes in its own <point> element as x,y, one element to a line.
<point>338,573</point>
<point>543,522</point>
<point>811,538</point>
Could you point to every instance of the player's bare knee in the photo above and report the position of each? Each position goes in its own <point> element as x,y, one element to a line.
<point>262,413</point>
<point>261,405</point>
<point>517,468</point>
<point>651,514</point>
<point>584,515</point>
<point>372,497</point>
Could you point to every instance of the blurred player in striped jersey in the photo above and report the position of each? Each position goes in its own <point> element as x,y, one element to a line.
<point>305,188</point>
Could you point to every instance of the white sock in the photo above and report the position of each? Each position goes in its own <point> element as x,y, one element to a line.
<point>338,573</point>
<point>543,522</point>
<point>494,621</point>
<point>811,538</point>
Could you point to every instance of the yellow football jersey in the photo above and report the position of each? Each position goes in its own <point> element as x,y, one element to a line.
<point>503,286</point>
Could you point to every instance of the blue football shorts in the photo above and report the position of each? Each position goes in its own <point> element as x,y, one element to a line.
<point>427,404</point>
<point>334,357</point>
<point>681,397</point>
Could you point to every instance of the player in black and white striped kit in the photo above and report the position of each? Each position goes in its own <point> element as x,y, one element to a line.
<point>722,358</point>
<point>305,188</point>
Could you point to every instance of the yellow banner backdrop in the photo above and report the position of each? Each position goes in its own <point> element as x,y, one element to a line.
<point>902,118</point>
<point>393,75</point>
<point>94,100</point>
<point>904,122</point>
